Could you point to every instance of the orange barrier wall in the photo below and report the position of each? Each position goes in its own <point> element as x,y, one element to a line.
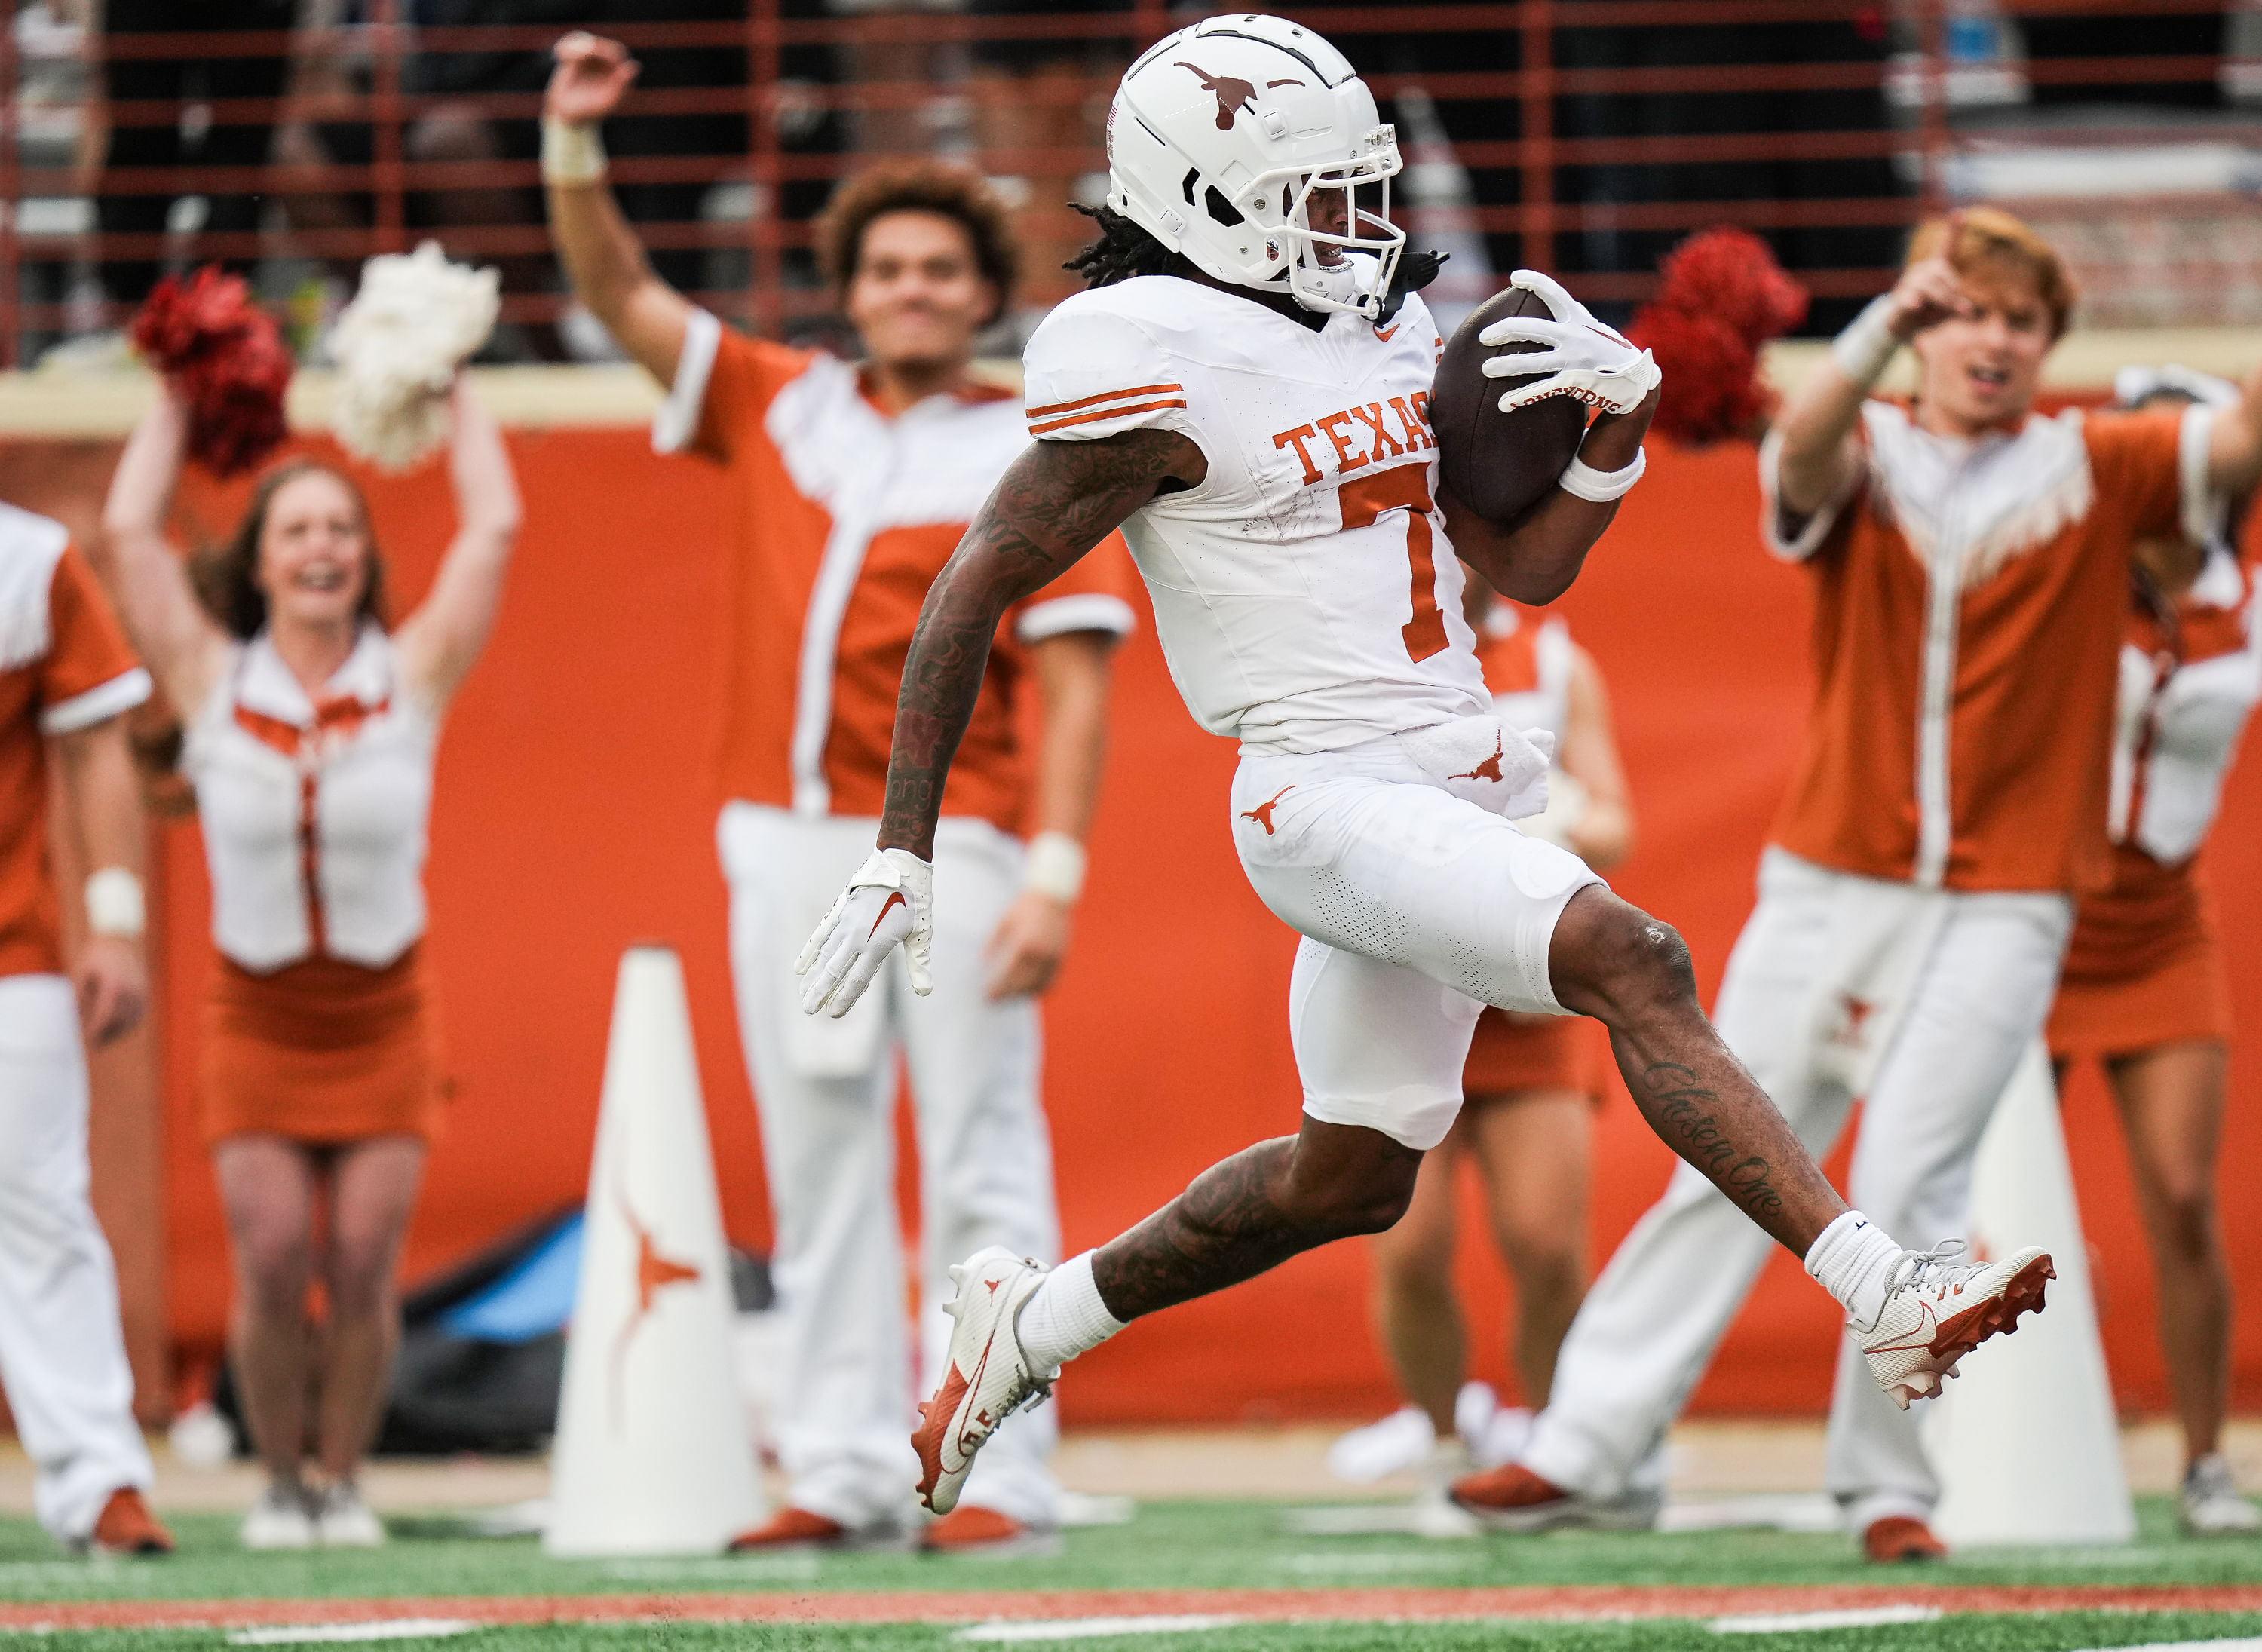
<point>573,819</point>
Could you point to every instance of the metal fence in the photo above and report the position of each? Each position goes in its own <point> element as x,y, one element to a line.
<point>1581,136</point>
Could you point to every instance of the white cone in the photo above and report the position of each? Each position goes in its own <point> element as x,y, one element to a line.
<point>652,1454</point>
<point>2027,1440</point>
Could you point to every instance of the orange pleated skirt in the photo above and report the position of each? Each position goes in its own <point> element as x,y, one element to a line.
<point>1513,1053</point>
<point>321,1051</point>
<point>2143,968</point>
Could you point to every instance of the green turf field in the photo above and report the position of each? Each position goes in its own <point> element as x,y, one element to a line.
<point>1180,1547</point>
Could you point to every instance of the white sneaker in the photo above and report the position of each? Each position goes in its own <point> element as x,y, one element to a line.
<point>1435,1514</point>
<point>279,1519</point>
<point>1939,1309</point>
<point>985,1378</point>
<point>1378,1450</point>
<point>343,1520</point>
<point>2212,1506</point>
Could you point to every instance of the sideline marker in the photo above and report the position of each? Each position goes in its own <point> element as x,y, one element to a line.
<point>2027,1441</point>
<point>652,1455</point>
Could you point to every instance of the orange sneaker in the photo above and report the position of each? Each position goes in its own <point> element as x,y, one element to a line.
<point>1512,1499</point>
<point>1900,1537</point>
<point>125,1527</point>
<point>970,1529</point>
<point>791,1528</point>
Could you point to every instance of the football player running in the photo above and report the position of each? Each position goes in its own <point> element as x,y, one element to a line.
<point>1242,389</point>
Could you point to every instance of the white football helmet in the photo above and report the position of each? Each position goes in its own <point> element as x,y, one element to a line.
<point>1219,139</point>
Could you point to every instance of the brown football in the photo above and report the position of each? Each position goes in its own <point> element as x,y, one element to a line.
<point>1498,464</point>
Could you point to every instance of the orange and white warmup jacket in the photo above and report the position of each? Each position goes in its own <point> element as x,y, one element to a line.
<point>2144,967</point>
<point>844,519</point>
<point>1970,601</point>
<point>64,665</point>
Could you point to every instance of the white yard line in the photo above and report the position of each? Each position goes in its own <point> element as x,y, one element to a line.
<point>382,1629</point>
<point>1093,1629</point>
<point>1844,1618</point>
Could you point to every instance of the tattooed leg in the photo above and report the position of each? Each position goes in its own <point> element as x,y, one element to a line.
<point>1617,964</point>
<point>1254,1211</point>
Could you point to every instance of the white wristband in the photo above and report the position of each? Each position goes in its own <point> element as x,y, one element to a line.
<point>572,154</point>
<point>1867,347</point>
<point>114,905</point>
<point>1056,863</point>
<point>1584,481</point>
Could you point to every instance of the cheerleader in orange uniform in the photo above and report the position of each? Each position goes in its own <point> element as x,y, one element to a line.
<point>1531,1082</point>
<point>310,733</point>
<point>2142,991</point>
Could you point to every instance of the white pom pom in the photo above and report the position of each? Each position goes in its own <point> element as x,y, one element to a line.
<point>398,345</point>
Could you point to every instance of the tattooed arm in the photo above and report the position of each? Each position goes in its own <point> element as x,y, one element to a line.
<point>1535,558</point>
<point>1054,503</point>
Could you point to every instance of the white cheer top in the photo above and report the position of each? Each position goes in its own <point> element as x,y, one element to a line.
<point>313,809</point>
<point>2184,704</point>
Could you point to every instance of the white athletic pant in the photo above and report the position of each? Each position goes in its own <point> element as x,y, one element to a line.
<point>1417,907</point>
<point>62,1356</point>
<point>1974,992</point>
<point>826,1091</point>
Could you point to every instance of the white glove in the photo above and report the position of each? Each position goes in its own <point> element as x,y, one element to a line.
<point>891,898</point>
<point>1584,358</point>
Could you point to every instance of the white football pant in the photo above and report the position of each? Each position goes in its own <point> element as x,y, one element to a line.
<point>1417,907</point>
<point>62,1356</point>
<point>1976,998</point>
<point>825,1092</point>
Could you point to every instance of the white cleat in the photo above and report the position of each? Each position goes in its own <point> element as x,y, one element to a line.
<point>984,1379</point>
<point>1940,1309</point>
<point>2212,1506</point>
<point>279,1519</point>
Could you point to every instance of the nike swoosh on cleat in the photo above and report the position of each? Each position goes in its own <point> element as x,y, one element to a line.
<point>935,1420</point>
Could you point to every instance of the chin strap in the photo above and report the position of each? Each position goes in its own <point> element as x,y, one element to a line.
<point>1414,272</point>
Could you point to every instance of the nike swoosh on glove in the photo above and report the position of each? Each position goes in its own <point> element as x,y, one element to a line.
<point>1581,357</point>
<point>891,899</point>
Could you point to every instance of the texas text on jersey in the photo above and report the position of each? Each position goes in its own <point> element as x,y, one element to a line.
<point>1305,592</point>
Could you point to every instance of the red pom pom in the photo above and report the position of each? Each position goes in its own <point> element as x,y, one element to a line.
<point>1711,387</point>
<point>227,357</point>
<point>1723,296</point>
<point>1733,274</point>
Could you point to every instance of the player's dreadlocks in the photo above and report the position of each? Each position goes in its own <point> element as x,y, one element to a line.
<point>1123,250</point>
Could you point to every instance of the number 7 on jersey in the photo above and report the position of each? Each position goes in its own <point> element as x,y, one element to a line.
<point>1404,487</point>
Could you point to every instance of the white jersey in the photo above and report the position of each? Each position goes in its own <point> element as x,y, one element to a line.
<point>313,809</point>
<point>1306,595</point>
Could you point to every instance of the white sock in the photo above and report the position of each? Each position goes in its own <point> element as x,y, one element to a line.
<point>1064,1316</point>
<point>1853,1260</point>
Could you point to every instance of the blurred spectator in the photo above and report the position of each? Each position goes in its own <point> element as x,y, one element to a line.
<point>1041,109</point>
<point>142,138</point>
<point>459,124</point>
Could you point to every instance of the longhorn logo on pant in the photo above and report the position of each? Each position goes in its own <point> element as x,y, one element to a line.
<point>1263,812</point>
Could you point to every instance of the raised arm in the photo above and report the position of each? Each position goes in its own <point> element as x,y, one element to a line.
<point>1536,560</point>
<point>1053,504</point>
<point>183,648</point>
<point>604,261</point>
<point>2234,452</point>
<point>1819,453</point>
<point>441,641</point>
